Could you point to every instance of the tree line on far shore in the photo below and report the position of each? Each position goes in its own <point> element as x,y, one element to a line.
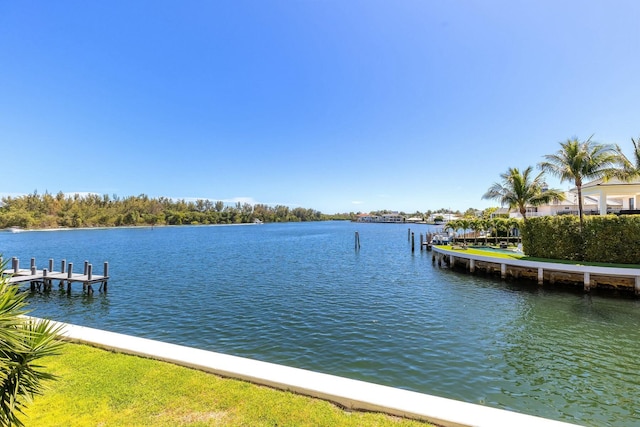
<point>92,210</point>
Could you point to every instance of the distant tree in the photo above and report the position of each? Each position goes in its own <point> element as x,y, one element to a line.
<point>470,213</point>
<point>518,190</point>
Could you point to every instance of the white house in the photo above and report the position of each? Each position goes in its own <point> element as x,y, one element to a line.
<point>613,195</point>
<point>598,197</point>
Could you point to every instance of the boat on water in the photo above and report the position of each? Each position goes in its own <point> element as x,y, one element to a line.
<point>14,229</point>
<point>440,239</point>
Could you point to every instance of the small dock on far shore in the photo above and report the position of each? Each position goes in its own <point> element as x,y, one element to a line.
<point>43,279</point>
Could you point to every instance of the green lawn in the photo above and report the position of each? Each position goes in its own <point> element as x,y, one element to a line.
<point>102,388</point>
<point>522,257</point>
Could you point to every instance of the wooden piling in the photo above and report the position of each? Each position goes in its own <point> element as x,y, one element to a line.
<point>357,246</point>
<point>421,242</point>
<point>69,275</point>
<point>413,242</point>
<point>587,281</point>
<point>106,270</point>
<point>45,281</point>
<point>89,277</point>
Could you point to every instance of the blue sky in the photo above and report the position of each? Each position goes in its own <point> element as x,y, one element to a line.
<point>339,106</point>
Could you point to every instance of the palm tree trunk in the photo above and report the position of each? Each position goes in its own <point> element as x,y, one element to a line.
<point>580,206</point>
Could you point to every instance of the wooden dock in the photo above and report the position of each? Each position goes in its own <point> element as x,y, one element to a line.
<point>43,279</point>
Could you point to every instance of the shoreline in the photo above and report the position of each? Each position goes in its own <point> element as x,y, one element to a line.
<point>31,230</point>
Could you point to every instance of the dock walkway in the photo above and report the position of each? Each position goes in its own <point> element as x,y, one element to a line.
<point>43,279</point>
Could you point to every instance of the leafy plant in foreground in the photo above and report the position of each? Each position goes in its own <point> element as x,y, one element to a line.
<point>23,340</point>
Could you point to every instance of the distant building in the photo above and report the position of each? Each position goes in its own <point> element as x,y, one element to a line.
<point>414,219</point>
<point>385,218</point>
<point>446,217</point>
<point>392,217</point>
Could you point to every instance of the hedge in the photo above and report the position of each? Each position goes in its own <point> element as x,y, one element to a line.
<point>609,239</point>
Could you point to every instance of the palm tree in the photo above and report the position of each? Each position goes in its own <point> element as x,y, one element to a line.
<point>23,341</point>
<point>451,225</point>
<point>477,225</point>
<point>583,160</point>
<point>513,224</point>
<point>519,190</point>
<point>630,167</point>
<point>464,224</point>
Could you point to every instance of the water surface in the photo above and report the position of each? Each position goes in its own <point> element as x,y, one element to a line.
<point>301,295</point>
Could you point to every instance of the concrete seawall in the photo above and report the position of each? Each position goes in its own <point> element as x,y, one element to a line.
<point>586,276</point>
<point>353,394</point>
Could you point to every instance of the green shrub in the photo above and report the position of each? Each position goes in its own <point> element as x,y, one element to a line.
<point>609,239</point>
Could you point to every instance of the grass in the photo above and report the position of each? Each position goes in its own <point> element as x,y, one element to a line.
<point>529,258</point>
<point>101,388</point>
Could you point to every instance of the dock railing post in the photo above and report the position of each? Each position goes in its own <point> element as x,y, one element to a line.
<point>86,268</point>
<point>15,265</point>
<point>33,262</point>
<point>50,264</point>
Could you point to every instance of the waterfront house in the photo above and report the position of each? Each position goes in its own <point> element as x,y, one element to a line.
<point>613,195</point>
<point>392,217</point>
<point>599,197</point>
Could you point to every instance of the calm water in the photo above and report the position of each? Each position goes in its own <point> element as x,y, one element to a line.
<point>300,295</point>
